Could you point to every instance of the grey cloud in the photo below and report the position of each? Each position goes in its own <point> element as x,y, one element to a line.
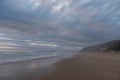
<point>67,22</point>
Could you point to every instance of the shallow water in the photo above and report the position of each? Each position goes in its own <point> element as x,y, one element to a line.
<point>41,65</point>
<point>24,56</point>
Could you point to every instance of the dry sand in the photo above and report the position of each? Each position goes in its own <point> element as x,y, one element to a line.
<point>95,66</point>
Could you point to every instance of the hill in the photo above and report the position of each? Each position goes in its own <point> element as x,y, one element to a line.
<point>105,47</point>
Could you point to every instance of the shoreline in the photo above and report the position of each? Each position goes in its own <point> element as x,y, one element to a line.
<point>27,70</point>
<point>28,60</point>
<point>39,58</point>
<point>82,66</point>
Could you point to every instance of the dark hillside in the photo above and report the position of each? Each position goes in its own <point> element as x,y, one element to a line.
<point>105,47</point>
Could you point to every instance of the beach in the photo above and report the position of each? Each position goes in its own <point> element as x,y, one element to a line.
<point>96,66</point>
<point>83,66</point>
<point>27,70</point>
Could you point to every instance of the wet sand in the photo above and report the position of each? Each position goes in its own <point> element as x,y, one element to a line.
<point>27,70</point>
<point>88,66</point>
<point>102,66</point>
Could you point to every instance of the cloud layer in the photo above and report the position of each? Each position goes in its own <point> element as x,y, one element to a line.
<point>59,22</point>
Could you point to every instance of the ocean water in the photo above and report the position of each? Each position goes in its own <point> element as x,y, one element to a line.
<point>24,56</point>
<point>25,64</point>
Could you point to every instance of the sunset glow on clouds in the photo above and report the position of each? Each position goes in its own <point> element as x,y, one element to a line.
<point>80,23</point>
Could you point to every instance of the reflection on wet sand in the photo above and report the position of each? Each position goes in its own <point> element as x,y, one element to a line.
<point>21,70</point>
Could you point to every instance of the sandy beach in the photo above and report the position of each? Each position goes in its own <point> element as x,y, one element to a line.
<point>96,66</point>
<point>87,66</point>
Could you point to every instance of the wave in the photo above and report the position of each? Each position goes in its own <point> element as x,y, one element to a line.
<point>27,58</point>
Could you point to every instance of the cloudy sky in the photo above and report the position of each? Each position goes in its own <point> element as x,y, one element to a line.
<point>56,23</point>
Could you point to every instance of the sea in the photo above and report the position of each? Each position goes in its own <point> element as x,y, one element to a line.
<point>8,57</point>
<point>18,65</point>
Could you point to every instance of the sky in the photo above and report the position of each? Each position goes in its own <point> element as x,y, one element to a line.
<point>25,24</point>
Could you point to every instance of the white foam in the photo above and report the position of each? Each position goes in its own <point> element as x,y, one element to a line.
<point>24,58</point>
